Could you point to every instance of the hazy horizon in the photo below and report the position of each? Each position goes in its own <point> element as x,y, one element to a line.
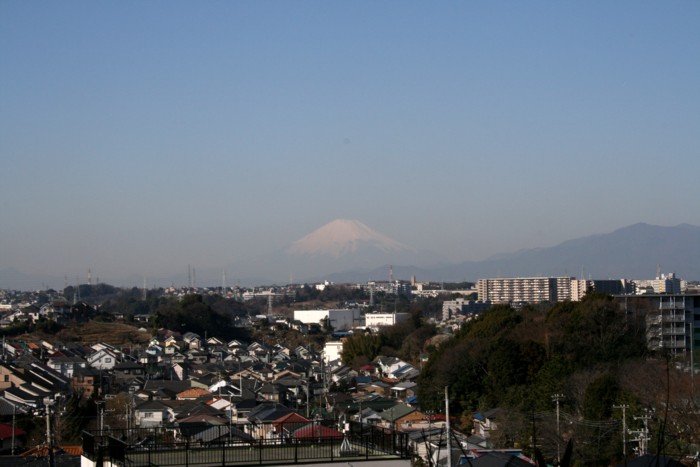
<point>140,137</point>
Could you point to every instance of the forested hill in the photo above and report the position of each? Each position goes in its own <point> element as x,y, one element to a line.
<point>521,358</point>
<point>589,355</point>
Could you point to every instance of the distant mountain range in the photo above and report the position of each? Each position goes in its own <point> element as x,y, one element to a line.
<point>350,251</point>
<point>633,252</point>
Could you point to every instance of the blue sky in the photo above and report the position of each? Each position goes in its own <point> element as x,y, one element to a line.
<point>139,137</point>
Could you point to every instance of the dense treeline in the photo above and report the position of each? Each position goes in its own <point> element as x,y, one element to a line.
<point>521,358</point>
<point>206,316</point>
<point>405,340</point>
<point>589,355</point>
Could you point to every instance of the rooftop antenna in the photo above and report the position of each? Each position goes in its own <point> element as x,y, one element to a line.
<point>194,278</point>
<point>391,273</point>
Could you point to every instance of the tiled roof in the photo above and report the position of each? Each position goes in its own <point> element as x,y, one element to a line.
<point>315,431</point>
<point>6,431</point>
<point>193,393</point>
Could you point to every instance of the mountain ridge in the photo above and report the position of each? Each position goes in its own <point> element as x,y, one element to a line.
<point>632,252</point>
<point>635,251</point>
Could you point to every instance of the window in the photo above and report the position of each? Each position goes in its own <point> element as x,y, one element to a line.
<point>148,415</point>
<point>108,360</point>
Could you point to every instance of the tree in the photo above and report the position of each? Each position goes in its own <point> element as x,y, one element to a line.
<point>600,397</point>
<point>365,346</point>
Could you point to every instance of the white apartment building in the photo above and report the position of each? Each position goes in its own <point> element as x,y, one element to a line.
<point>524,289</point>
<point>547,289</point>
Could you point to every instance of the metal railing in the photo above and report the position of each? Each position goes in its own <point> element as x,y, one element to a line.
<point>167,447</point>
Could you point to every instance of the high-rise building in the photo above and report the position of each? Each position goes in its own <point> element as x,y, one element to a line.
<point>672,320</point>
<point>524,289</point>
<point>546,289</point>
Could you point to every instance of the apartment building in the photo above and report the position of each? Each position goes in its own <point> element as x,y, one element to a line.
<point>672,320</point>
<point>546,289</point>
<point>524,289</point>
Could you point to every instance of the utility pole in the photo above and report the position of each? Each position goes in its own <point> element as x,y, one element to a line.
<point>100,407</point>
<point>643,435</point>
<point>692,360</point>
<point>447,427</point>
<point>624,408</point>
<point>49,443</point>
<point>557,398</point>
<point>14,413</point>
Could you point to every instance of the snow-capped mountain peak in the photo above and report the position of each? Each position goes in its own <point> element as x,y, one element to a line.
<point>343,237</point>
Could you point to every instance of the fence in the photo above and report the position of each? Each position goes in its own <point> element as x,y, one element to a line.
<point>221,446</point>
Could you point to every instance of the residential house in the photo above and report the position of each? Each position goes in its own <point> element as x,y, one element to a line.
<point>214,342</point>
<point>103,359</point>
<point>485,422</point>
<point>193,340</point>
<point>152,413</point>
<point>261,418</point>
<point>286,424</point>
<point>126,371</point>
<point>87,382</point>
<point>316,432</point>
<point>165,389</point>
<point>194,394</point>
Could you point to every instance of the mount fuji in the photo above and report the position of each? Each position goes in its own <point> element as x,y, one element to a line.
<point>347,245</point>
<point>345,238</point>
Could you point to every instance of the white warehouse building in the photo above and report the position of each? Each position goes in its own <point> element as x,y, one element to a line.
<point>376,320</point>
<point>339,320</point>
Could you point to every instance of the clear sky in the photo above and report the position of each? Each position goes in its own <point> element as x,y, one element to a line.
<point>137,137</point>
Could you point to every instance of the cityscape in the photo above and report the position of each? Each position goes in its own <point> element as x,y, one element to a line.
<point>146,376</point>
<point>392,233</point>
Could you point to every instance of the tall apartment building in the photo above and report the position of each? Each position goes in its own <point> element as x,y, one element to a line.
<point>546,289</point>
<point>463,306</point>
<point>524,289</point>
<point>579,287</point>
<point>672,320</point>
<point>667,284</point>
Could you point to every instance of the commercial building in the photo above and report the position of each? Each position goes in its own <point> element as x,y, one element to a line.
<point>339,320</point>
<point>375,321</point>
